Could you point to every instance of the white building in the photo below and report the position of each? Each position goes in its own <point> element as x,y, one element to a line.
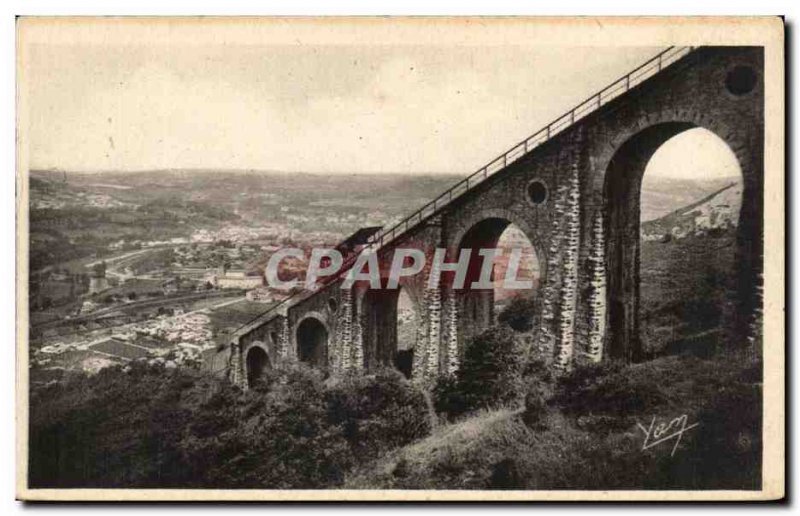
<point>236,278</point>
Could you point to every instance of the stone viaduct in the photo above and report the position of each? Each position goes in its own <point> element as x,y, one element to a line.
<point>573,188</point>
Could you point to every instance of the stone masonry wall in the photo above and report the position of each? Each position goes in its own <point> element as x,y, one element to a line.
<point>570,229</point>
<point>569,212</point>
<point>597,285</point>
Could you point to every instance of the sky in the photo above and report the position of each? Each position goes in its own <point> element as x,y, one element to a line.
<point>694,154</point>
<point>331,108</point>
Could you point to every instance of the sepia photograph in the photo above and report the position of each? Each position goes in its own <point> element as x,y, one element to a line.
<point>465,259</point>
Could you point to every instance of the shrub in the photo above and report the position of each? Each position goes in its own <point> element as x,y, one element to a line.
<point>535,408</point>
<point>145,426</point>
<point>605,450</point>
<point>449,397</point>
<point>537,378</point>
<point>117,428</point>
<point>506,474</point>
<point>722,452</point>
<point>606,389</point>
<point>281,439</point>
<point>725,452</point>
<point>490,375</point>
<point>518,314</point>
<point>378,412</point>
<point>401,469</point>
<point>538,374</point>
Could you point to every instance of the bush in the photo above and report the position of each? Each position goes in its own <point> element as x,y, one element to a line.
<point>722,452</point>
<point>596,391</point>
<point>378,412</point>
<point>147,426</point>
<point>725,453</point>
<point>518,314</point>
<point>506,474</point>
<point>538,374</point>
<point>449,397</point>
<point>401,469</point>
<point>490,375</point>
<point>120,427</point>
<point>281,439</point>
<point>583,449</point>
<point>535,408</point>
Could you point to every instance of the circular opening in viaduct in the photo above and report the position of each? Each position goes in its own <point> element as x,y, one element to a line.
<point>537,192</point>
<point>332,305</point>
<point>741,80</point>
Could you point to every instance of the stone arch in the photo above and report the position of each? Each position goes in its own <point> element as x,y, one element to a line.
<point>475,308</point>
<point>257,361</point>
<point>409,336</point>
<point>513,217</point>
<point>644,120</point>
<point>622,165</point>
<point>379,316</point>
<point>312,339</point>
<point>379,309</point>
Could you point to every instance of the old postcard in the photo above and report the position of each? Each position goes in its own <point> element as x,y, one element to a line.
<point>400,259</point>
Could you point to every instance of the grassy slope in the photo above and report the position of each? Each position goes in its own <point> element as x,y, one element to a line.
<point>576,449</point>
<point>587,443</point>
<point>682,216</point>
<point>686,286</point>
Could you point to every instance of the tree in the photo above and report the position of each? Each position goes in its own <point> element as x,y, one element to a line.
<point>490,374</point>
<point>518,314</point>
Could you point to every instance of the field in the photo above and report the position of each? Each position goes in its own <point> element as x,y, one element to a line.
<point>229,317</point>
<point>165,204</point>
<point>120,349</point>
<point>686,287</point>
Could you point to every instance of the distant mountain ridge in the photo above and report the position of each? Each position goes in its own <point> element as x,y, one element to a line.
<point>718,210</point>
<point>384,197</point>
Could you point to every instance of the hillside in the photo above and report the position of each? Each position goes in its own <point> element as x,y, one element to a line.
<point>718,210</point>
<point>591,439</point>
<point>687,271</point>
<point>501,422</point>
<point>661,195</point>
<point>74,214</point>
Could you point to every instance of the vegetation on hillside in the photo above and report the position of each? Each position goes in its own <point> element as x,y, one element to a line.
<point>147,426</point>
<point>502,421</point>
<point>586,435</point>
<point>687,288</point>
<point>498,425</point>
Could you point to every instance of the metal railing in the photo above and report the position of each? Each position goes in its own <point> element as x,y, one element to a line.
<point>633,78</point>
<point>593,103</point>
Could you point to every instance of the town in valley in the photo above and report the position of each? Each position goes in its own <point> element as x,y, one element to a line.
<point>162,266</point>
